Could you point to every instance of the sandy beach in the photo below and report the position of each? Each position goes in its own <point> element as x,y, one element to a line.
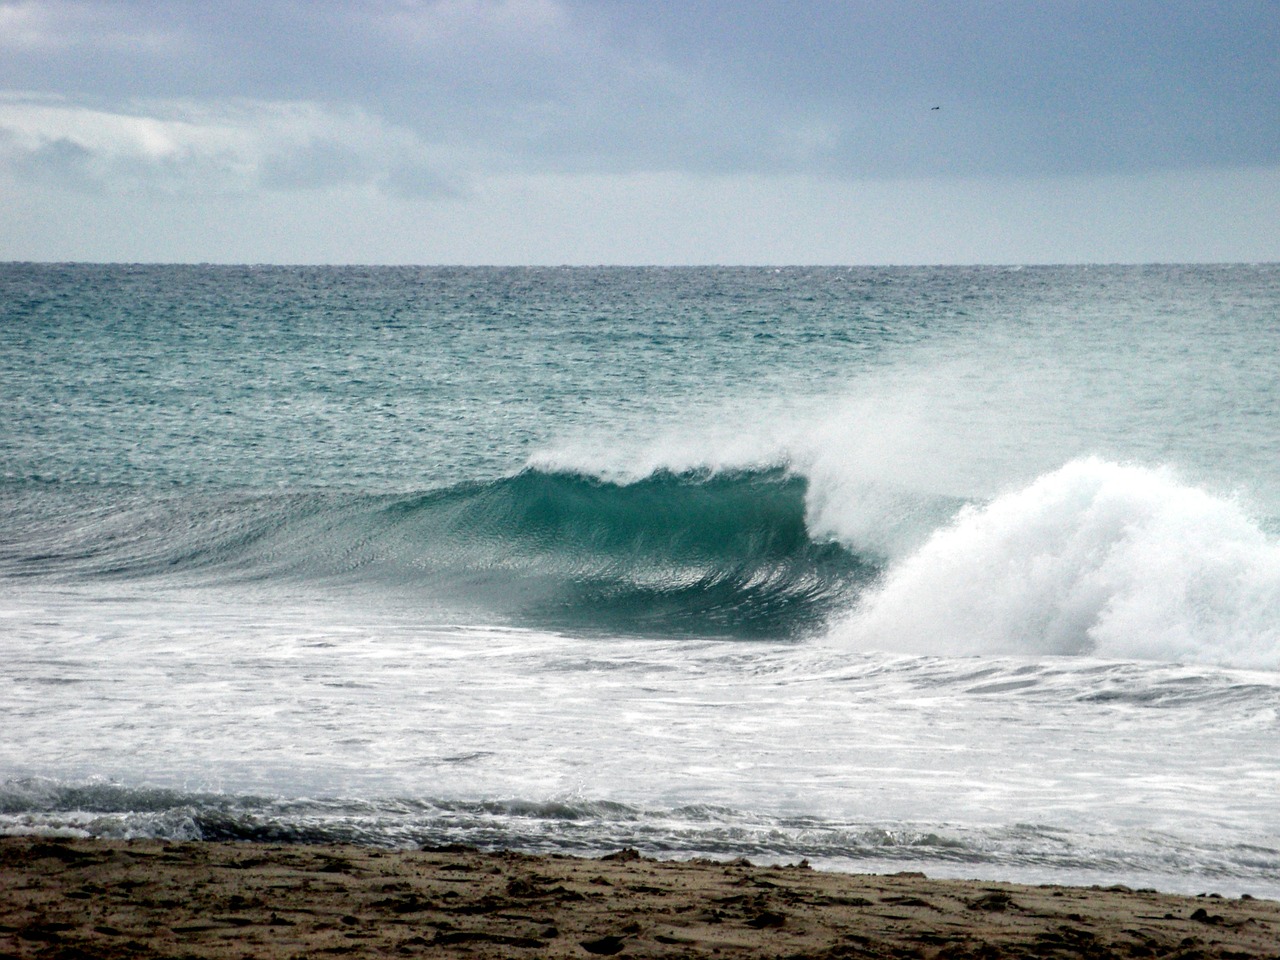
<point>95,898</point>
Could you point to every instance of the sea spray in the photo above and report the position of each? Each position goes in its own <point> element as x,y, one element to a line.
<point>1096,557</point>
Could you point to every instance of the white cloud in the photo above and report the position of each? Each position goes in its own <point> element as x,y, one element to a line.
<point>208,147</point>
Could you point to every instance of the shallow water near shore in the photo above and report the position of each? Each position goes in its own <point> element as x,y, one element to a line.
<point>970,571</point>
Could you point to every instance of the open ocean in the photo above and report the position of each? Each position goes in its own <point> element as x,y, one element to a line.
<point>973,571</point>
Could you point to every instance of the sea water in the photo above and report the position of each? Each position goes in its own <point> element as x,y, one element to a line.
<point>974,571</point>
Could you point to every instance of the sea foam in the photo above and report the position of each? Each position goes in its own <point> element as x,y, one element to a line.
<point>1095,557</point>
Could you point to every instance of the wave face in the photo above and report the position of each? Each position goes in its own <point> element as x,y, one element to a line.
<point>694,553</point>
<point>1096,557</point>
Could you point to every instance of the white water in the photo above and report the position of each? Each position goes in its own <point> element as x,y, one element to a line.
<point>1148,774</point>
<point>1116,561</point>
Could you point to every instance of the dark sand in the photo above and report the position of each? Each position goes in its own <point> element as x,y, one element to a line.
<point>76,899</point>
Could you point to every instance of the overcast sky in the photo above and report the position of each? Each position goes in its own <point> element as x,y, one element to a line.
<point>603,131</point>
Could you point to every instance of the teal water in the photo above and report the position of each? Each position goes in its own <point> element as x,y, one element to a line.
<point>937,565</point>
<point>405,379</point>
<point>399,378</point>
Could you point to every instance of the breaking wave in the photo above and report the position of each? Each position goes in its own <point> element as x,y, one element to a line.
<point>720,554</point>
<point>1098,558</point>
<point>1101,558</point>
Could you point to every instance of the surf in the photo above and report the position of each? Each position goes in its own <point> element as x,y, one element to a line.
<point>1098,558</point>
<point>1101,558</point>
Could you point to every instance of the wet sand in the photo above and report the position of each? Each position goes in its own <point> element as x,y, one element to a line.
<point>72,899</point>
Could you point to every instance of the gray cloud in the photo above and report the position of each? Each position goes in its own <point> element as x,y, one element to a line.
<point>414,181</point>
<point>60,161</point>
<point>312,165</point>
<point>825,87</point>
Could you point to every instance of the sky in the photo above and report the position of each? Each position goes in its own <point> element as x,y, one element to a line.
<point>641,132</point>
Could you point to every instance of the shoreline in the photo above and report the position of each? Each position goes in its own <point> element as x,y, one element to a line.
<point>147,898</point>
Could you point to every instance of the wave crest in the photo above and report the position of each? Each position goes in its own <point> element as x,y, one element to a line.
<point>698,553</point>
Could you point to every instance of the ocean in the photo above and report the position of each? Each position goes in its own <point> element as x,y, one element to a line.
<point>966,570</point>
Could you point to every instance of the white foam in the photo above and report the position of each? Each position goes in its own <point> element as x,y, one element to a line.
<point>1115,560</point>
